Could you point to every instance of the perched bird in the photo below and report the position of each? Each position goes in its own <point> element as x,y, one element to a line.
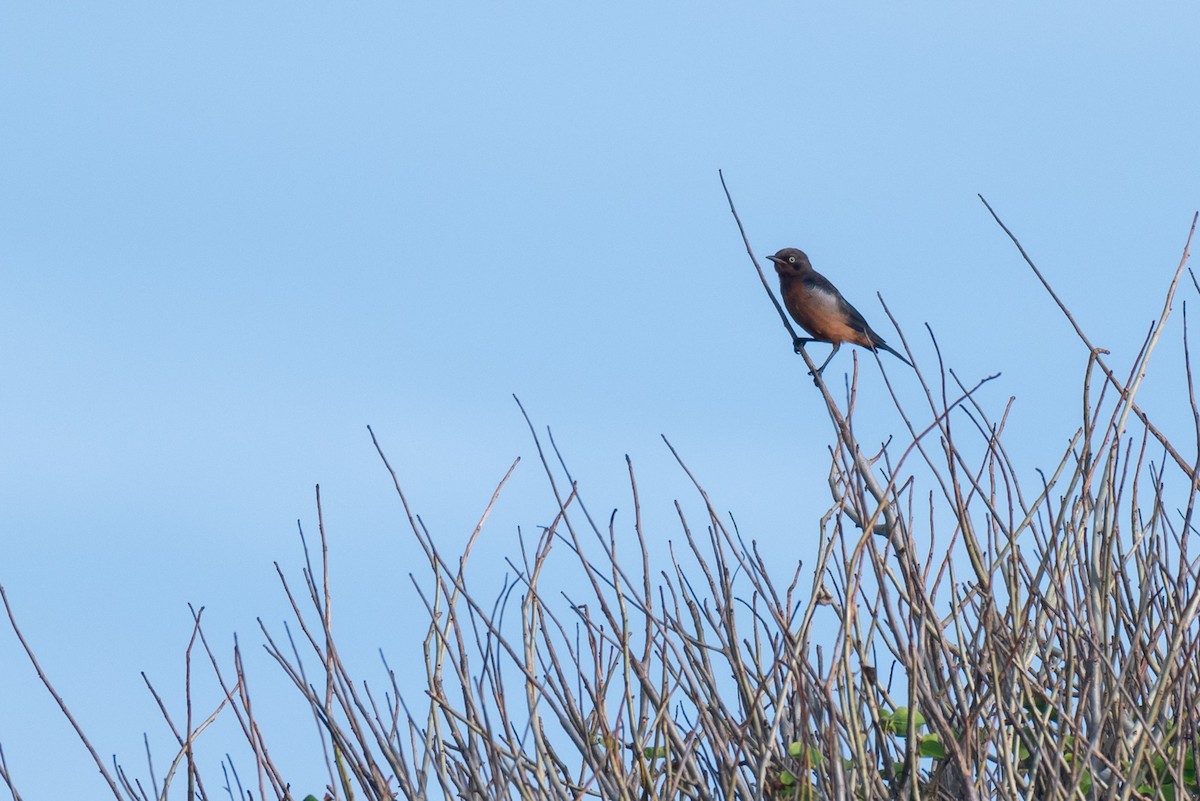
<point>820,309</point>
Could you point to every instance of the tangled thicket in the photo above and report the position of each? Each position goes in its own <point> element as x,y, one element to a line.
<point>979,639</point>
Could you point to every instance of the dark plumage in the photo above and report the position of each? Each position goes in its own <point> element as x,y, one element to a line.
<point>815,303</point>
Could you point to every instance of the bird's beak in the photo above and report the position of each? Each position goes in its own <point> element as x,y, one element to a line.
<point>775,259</point>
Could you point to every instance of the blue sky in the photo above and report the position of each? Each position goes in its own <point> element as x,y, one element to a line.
<point>232,236</point>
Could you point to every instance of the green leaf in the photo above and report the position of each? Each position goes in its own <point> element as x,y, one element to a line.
<point>786,779</point>
<point>1164,792</point>
<point>796,750</point>
<point>606,741</point>
<point>1019,744</point>
<point>931,746</point>
<point>651,752</point>
<point>1039,703</point>
<point>898,720</point>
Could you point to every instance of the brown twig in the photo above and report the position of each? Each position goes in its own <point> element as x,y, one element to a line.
<point>1124,389</point>
<point>112,785</point>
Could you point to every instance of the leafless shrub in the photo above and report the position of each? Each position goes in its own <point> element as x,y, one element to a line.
<point>960,636</point>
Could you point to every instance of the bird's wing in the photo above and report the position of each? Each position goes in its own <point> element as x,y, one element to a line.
<point>819,285</point>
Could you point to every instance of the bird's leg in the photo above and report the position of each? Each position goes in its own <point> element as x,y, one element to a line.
<point>798,343</point>
<point>817,372</point>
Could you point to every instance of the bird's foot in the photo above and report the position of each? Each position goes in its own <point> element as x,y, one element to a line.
<point>798,343</point>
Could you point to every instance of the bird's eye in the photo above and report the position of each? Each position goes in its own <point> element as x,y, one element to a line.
<point>792,259</point>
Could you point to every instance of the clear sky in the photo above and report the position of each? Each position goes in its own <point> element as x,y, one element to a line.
<point>232,235</point>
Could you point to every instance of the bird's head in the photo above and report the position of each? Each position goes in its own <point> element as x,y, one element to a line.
<point>790,261</point>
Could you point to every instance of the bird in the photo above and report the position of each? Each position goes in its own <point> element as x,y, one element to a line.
<point>815,303</point>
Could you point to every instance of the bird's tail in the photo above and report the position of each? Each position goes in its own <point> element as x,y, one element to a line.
<point>893,351</point>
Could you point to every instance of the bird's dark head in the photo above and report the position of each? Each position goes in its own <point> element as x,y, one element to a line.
<point>790,261</point>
